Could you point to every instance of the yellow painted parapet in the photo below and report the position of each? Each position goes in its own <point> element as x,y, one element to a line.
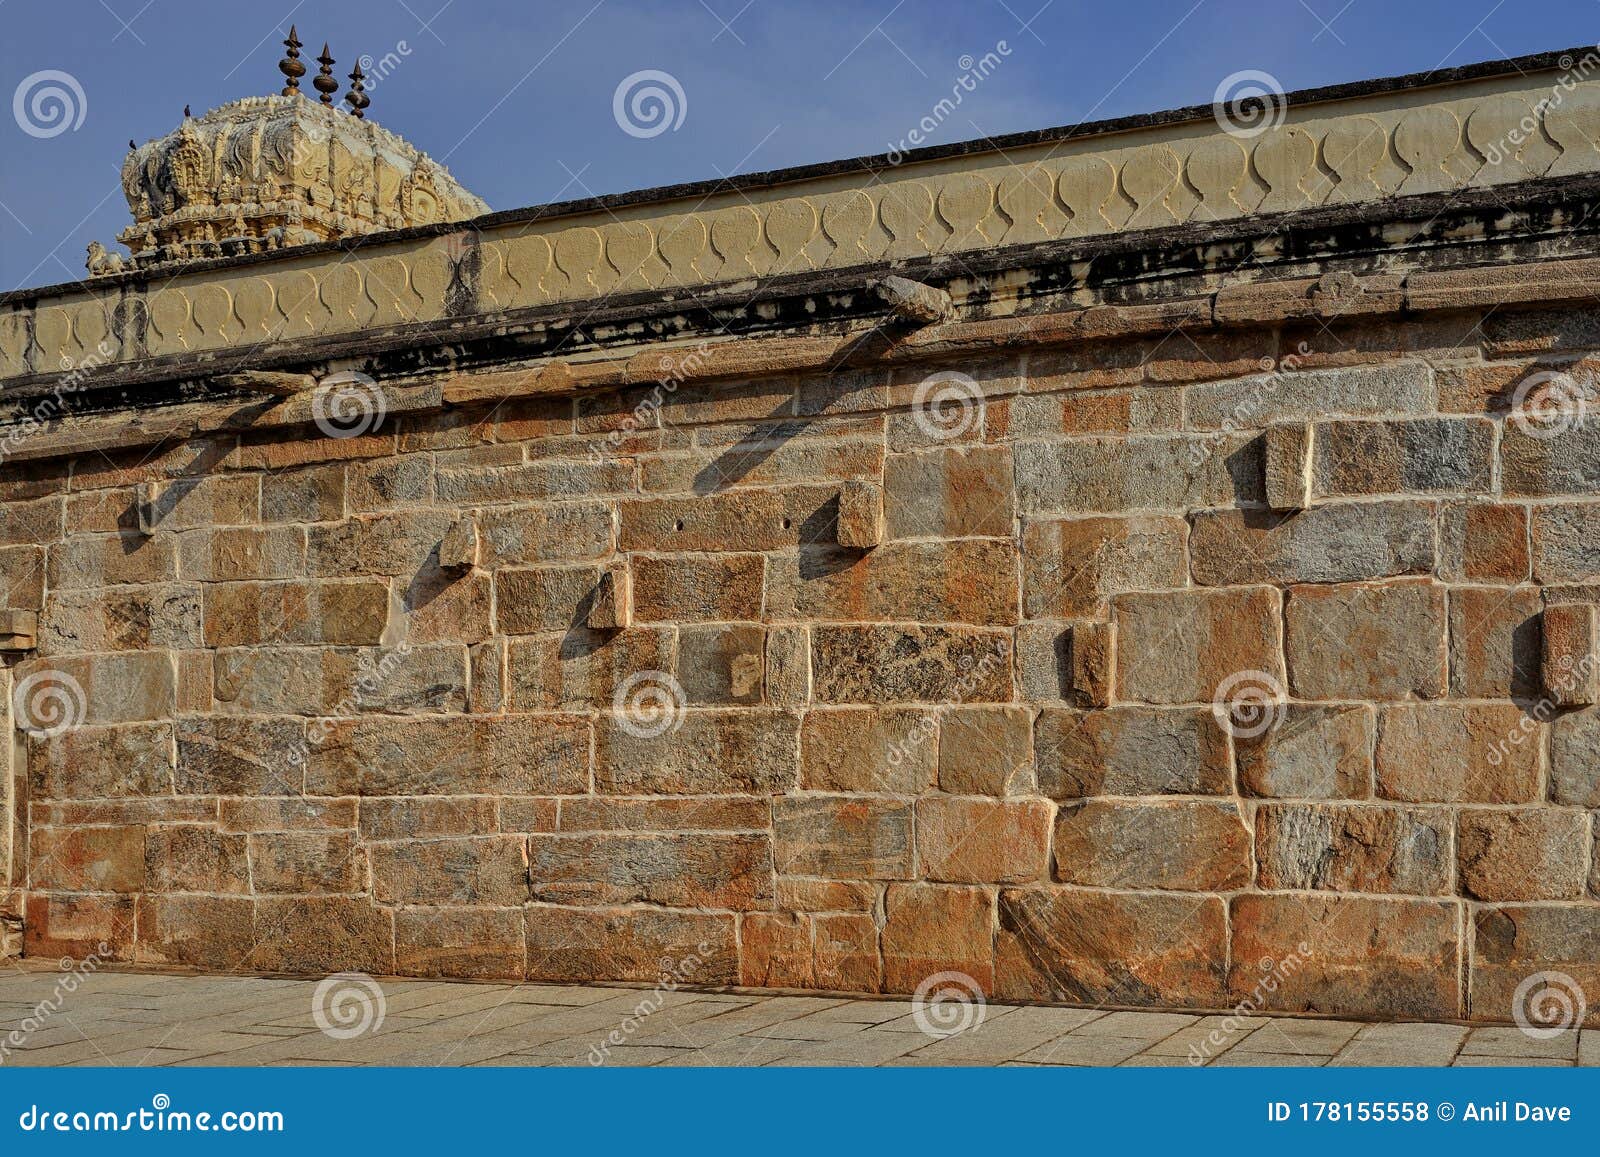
<point>1387,145</point>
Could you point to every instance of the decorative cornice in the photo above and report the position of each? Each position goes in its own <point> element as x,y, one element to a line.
<point>1474,134</point>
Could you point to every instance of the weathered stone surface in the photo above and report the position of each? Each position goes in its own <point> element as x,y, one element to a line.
<point>932,928</point>
<point>1287,462</point>
<point>775,951</point>
<point>1569,654</point>
<point>211,932</point>
<point>706,814</point>
<point>708,752</point>
<point>122,687</point>
<point>1044,661</point>
<point>413,817</point>
<point>1131,751</point>
<point>1495,638</point>
<point>121,619</point>
<point>845,952</point>
<point>1145,473</point>
<point>842,837</point>
<point>1312,752</point>
<point>1071,567</point>
<point>322,934</point>
<point>1093,664</point>
<point>240,554</point>
<point>860,515</point>
<point>986,751</point>
<point>630,944</point>
<point>1457,753</point>
<point>1531,854</point>
<point>1483,542</point>
<point>584,669</point>
<point>967,581</point>
<point>1353,848</point>
<point>1367,641</point>
<point>1566,542</point>
<point>1540,461</point>
<point>524,535</point>
<point>1418,455</point>
<point>491,870</point>
<point>738,520</point>
<point>1110,948</point>
<point>788,674</point>
<point>1339,542</point>
<point>1385,957</point>
<point>486,943</point>
<point>109,560</point>
<point>983,841</point>
<point>340,613</point>
<point>1190,847</point>
<point>1181,646</point>
<point>952,492</point>
<point>698,588</point>
<point>677,870</point>
<point>926,664</point>
<point>102,762</point>
<point>546,598</point>
<point>511,755</point>
<point>225,755</point>
<point>76,926</point>
<point>1394,388</point>
<point>293,863</point>
<point>722,663</point>
<point>1574,771</point>
<point>98,859</point>
<point>868,749</point>
<point>1511,943</point>
<point>196,858</point>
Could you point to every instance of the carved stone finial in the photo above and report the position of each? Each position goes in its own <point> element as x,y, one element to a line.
<point>290,65</point>
<point>324,82</point>
<point>357,97</point>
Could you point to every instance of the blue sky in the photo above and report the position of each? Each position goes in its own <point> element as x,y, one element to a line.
<point>517,98</point>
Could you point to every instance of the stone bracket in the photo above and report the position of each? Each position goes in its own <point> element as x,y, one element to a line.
<point>273,382</point>
<point>611,604</point>
<point>1289,450</point>
<point>1568,666</point>
<point>914,302</point>
<point>459,549</point>
<point>19,631</point>
<point>860,514</point>
<point>1092,663</point>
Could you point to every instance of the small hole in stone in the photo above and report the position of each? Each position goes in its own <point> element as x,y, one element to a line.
<point>678,525</point>
<point>787,524</point>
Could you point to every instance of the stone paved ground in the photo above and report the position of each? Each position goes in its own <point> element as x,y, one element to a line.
<point>144,1019</point>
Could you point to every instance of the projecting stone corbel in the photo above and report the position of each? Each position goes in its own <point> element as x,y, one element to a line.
<point>19,631</point>
<point>860,514</point>
<point>459,548</point>
<point>1287,454</point>
<point>272,382</point>
<point>914,302</point>
<point>611,606</point>
<point>1567,663</point>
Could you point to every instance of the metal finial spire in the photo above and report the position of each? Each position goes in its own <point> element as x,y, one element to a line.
<point>186,111</point>
<point>290,65</point>
<point>324,82</point>
<point>357,97</point>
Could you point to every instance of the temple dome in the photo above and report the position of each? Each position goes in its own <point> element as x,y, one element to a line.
<point>268,172</point>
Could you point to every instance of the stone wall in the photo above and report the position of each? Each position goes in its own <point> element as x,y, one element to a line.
<point>1141,671</point>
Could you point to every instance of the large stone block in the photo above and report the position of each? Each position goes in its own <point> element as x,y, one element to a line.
<point>1539,461</point>
<point>299,862</point>
<point>631,944</point>
<point>245,553</point>
<point>1110,948</point>
<point>842,837</point>
<point>932,928</point>
<point>910,664</point>
<point>983,841</point>
<point>1070,567</point>
<point>1415,456</point>
<point>1457,753</point>
<point>78,926</point>
<point>587,669</point>
<point>216,933</point>
<point>1312,752</point>
<point>986,751</point>
<point>1189,847</point>
<point>1566,542</point>
<point>97,560</point>
<point>1132,751</point>
<point>1483,542</point>
<point>510,755</point>
<point>1367,641</point>
<point>1530,854</point>
<point>553,532</point>
<point>1574,770</point>
<point>322,934</point>
<point>1494,642</point>
<point>1141,473</point>
<point>1391,958</point>
<point>1339,542</point>
<point>953,492</point>
<point>1182,646</point>
<point>967,581</point>
<point>697,588</point>
<point>121,619</point>
<point>868,749</point>
<point>1354,848</point>
<point>737,520</point>
<point>546,598</point>
<point>67,690</point>
<point>339,613</point>
<point>482,943</point>
<point>676,870</point>
<point>490,871</point>
<point>1514,943</point>
<point>102,762</point>
<point>1399,387</point>
<point>196,858</point>
<point>228,755</point>
<point>722,663</point>
<point>90,859</point>
<point>707,752</point>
